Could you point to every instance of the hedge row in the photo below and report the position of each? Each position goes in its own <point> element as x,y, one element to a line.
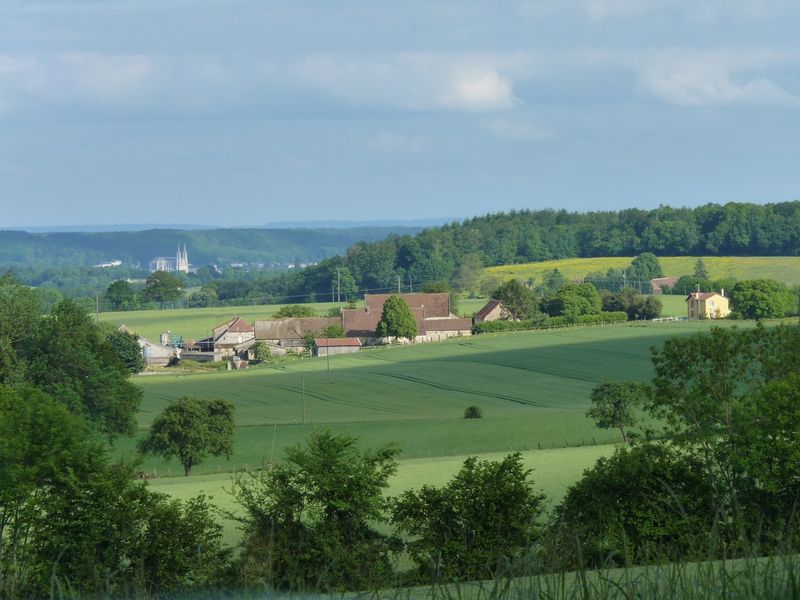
<point>547,322</point>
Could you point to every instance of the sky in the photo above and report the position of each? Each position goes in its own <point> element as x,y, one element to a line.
<point>243,112</point>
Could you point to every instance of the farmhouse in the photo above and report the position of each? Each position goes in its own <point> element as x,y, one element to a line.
<point>431,312</point>
<point>707,305</point>
<point>331,346</point>
<point>289,335</point>
<point>492,311</point>
<point>232,338</point>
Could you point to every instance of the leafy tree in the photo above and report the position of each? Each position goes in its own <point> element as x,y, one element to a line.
<point>190,429</point>
<point>518,300</point>
<point>119,295</point>
<point>162,287</point>
<point>261,351</point>
<point>483,518</point>
<point>573,300</point>
<point>552,280</point>
<point>700,270</point>
<point>295,310</point>
<point>203,298</point>
<point>640,505</point>
<point>614,405</point>
<point>760,299</point>
<point>643,268</point>
<point>69,357</point>
<point>397,320</point>
<point>346,284</point>
<point>68,515</point>
<point>309,523</point>
<point>126,346</point>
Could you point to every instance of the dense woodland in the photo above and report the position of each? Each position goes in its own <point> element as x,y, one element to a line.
<point>456,253</point>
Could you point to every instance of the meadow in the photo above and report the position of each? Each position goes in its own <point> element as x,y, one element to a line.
<point>780,268</point>
<point>533,389</point>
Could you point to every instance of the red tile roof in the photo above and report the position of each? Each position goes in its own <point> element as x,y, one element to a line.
<point>292,328</point>
<point>448,324</point>
<point>436,304</point>
<point>487,309</point>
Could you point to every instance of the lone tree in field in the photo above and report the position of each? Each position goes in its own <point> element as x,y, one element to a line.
<point>518,301</point>
<point>614,404</point>
<point>397,320</point>
<point>190,429</point>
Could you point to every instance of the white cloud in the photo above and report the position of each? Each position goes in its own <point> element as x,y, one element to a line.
<point>104,76</point>
<point>516,130</point>
<point>421,81</point>
<point>713,78</point>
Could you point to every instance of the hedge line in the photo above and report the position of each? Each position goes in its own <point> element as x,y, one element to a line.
<point>547,322</point>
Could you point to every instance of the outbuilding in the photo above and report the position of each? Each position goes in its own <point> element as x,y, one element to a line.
<point>331,346</point>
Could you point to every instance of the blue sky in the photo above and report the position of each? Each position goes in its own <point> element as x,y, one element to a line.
<point>246,112</point>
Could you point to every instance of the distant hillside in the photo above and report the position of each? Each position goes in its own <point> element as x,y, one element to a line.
<point>222,246</point>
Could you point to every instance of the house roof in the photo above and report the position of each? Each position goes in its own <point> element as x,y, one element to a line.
<point>336,342</point>
<point>293,328</point>
<point>363,323</point>
<point>448,324</point>
<point>435,304</point>
<point>702,295</point>
<point>235,325</point>
<point>487,309</point>
<point>664,281</point>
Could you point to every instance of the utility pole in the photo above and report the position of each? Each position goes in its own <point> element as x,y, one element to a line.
<point>338,287</point>
<point>333,293</point>
<point>398,284</point>
<point>410,284</point>
<point>97,307</point>
<point>328,357</point>
<point>303,395</point>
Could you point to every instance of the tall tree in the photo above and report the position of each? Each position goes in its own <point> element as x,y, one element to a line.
<point>614,405</point>
<point>518,301</point>
<point>190,429</point>
<point>700,270</point>
<point>761,299</point>
<point>162,287</point>
<point>643,268</point>
<point>119,295</point>
<point>397,320</point>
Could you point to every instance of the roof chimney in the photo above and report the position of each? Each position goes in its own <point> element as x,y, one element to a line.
<point>722,292</point>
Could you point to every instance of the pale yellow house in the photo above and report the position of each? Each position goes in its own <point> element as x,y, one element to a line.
<point>707,305</point>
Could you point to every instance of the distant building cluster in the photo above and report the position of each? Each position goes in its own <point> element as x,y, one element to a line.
<point>177,264</point>
<point>108,265</point>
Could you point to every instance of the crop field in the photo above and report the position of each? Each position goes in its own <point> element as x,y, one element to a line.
<point>197,323</point>
<point>780,268</point>
<point>533,389</point>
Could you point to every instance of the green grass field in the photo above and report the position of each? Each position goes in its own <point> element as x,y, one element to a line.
<point>780,268</point>
<point>197,322</point>
<point>533,388</point>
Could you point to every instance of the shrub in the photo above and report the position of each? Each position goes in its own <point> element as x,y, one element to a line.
<point>261,351</point>
<point>473,412</point>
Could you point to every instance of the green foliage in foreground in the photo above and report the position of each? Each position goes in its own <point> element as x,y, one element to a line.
<point>481,521</point>
<point>309,523</point>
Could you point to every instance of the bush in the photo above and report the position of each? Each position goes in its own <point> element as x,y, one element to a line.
<point>639,505</point>
<point>479,523</point>
<point>261,351</point>
<point>473,412</point>
<point>547,322</point>
<point>295,310</point>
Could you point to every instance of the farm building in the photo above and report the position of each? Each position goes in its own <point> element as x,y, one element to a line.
<point>492,311</point>
<point>707,305</point>
<point>659,283</point>
<point>331,346</point>
<point>431,312</point>
<point>288,335</point>
<point>232,338</point>
<point>154,354</point>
